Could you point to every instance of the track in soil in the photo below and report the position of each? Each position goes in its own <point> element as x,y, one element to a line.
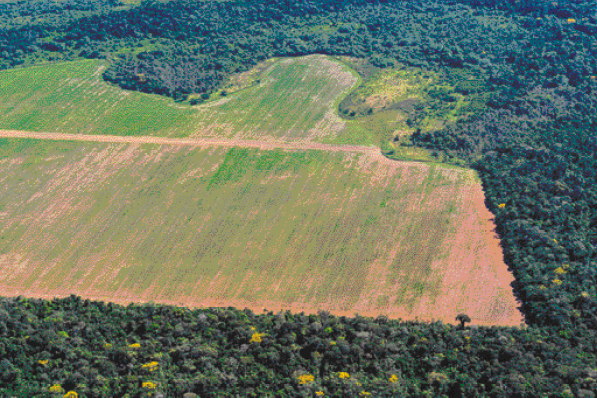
<point>264,145</point>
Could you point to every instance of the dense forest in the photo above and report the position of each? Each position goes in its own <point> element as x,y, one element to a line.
<point>533,144</point>
<point>49,348</point>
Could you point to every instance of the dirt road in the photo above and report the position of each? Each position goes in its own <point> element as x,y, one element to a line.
<point>264,145</point>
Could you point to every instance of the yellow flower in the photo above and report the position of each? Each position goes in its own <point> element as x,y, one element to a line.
<point>502,205</point>
<point>556,282</point>
<point>252,328</point>
<point>151,366</point>
<point>555,241</point>
<point>571,20</point>
<point>135,346</point>
<point>256,337</point>
<point>319,393</point>
<point>542,287</point>
<point>393,379</point>
<point>56,388</point>
<point>332,343</point>
<point>107,345</point>
<point>43,361</point>
<point>365,394</point>
<point>343,375</point>
<point>559,271</point>
<point>71,394</point>
<point>149,384</point>
<point>306,379</point>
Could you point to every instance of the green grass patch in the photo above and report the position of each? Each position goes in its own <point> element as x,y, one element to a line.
<point>70,97</point>
<point>291,98</point>
<point>422,99</point>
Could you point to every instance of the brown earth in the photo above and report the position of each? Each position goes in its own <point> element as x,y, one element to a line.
<point>262,144</point>
<point>474,247</point>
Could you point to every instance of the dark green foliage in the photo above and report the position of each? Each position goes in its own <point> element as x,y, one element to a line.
<point>209,353</point>
<point>183,47</point>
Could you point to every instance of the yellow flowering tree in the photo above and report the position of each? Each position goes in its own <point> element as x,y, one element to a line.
<point>150,366</point>
<point>305,379</point>
<point>150,385</point>
<point>56,388</point>
<point>256,337</point>
<point>559,271</point>
<point>343,375</point>
<point>71,394</point>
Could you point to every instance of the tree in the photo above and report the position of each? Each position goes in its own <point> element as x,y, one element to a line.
<point>463,318</point>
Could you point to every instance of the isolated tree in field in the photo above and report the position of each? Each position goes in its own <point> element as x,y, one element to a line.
<point>462,318</point>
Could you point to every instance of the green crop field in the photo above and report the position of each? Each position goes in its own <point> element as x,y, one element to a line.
<point>309,230</point>
<point>295,99</point>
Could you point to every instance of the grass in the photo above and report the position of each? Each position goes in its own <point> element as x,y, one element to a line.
<point>70,97</point>
<point>407,98</point>
<point>192,225</point>
<point>395,102</point>
<point>285,98</point>
<point>294,99</point>
<point>281,98</point>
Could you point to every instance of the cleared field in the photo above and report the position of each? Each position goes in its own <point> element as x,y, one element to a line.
<point>205,226</point>
<point>72,97</point>
<point>296,99</point>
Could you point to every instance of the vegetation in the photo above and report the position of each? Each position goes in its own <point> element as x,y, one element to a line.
<point>98,349</point>
<point>294,230</point>
<point>422,100</point>
<point>533,142</point>
<point>71,97</point>
<point>295,99</point>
